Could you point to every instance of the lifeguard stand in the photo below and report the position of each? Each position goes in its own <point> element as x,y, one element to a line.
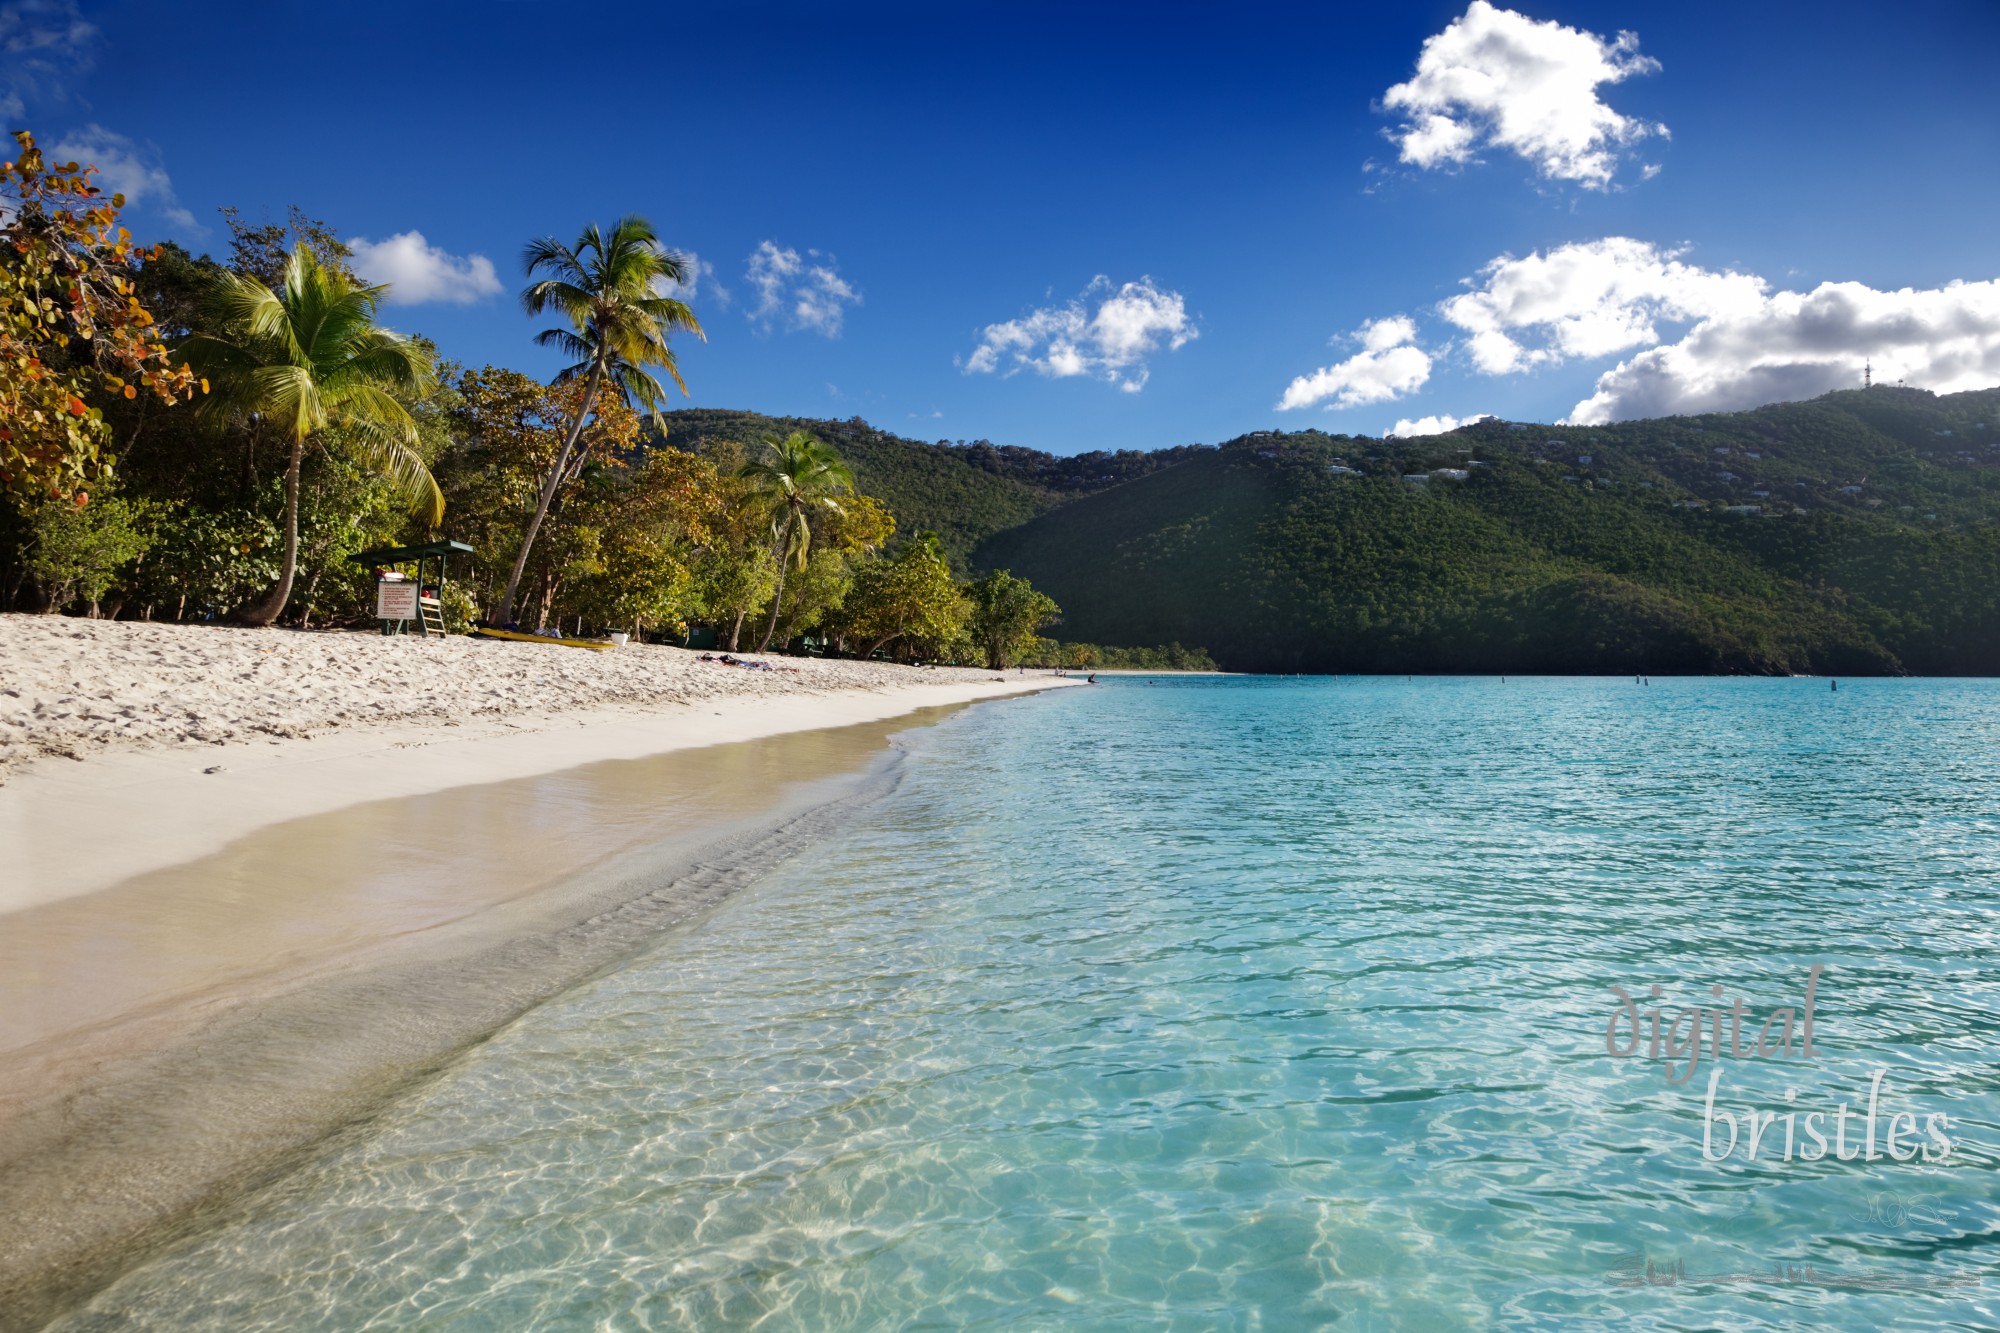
<point>429,601</point>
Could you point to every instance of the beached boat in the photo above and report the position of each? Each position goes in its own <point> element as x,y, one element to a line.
<point>599,644</point>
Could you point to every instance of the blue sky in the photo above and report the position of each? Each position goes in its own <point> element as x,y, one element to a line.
<point>1088,226</point>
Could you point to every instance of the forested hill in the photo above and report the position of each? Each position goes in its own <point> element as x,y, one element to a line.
<point>1856,533</point>
<point>964,492</point>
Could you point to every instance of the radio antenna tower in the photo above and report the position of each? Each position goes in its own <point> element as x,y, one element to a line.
<point>1868,375</point>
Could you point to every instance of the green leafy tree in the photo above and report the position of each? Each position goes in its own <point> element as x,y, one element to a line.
<point>75,552</point>
<point>730,583</point>
<point>813,596</point>
<point>302,360</point>
<point>795,477</point>
<point>653,518</point>
<point>640,580</point>
<point>1007,613</point>
<point>909,597</point>
<point>205,559</point>
<point>607,289</point>
<point>813,593</point>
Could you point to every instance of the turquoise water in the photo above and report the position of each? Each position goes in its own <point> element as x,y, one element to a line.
<point>1239,1004</point>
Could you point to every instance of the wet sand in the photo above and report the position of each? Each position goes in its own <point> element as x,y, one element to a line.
<point>188,1033</point>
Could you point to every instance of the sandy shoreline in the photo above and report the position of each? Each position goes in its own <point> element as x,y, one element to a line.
<point>172,805</point>
<point>181,738</point>
<point>215,953</point>
<point>76,689</point>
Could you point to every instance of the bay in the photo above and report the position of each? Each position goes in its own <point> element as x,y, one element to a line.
<point>1246,1003</point>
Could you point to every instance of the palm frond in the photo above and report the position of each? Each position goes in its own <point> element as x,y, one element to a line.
<point>668,313</point>
<point>551,254</point>
<point>641,390</point>
<point>569,344</point>
<point>574,301</point>
<point>360,403</point>
<point>288,397</point>
<point>388,453</point>
<point>381,357</point>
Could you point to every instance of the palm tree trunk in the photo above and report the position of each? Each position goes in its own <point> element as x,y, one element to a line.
<point>736,630</point>
<point>782,549</point>
<point>505,609</point>
<point>777,596</point>
<point>267,608</point>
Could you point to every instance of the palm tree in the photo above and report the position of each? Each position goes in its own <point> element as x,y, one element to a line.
<point>307,358</point>
<point>800,474</point>
<point>608,288</point>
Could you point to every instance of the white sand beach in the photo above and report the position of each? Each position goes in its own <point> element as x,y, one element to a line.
<point>253,881</point>
<point>183,737</point>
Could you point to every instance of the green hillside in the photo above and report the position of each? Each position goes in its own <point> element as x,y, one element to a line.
<point>963,492</point>
<point>1855,533</point>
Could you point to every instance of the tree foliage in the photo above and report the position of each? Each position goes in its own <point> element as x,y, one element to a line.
<point>1007,617</point>
<point>72,329</point>
<point>76,553</point>
<point>308,362</point>
<point>606,290</point>
<point>910,599</point>
<point>796,478</point>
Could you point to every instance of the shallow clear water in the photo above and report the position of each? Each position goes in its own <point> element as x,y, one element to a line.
<point>1219,1003</point>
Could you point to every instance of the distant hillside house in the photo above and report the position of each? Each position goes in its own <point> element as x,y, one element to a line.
<point>1450,473</point>
<point>1745,509</point>
<point>1417,478</point>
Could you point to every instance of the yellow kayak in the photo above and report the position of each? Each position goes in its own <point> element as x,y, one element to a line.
<point>599,644</point>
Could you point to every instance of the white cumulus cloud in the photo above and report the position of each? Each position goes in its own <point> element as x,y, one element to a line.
<point>801,291</point>
<point>1388,366</point>
<point>1436,425</point>
<point>1795,345</point>
<point>697,277</point>
<point>1590,299</point>
<point>1529,86</point>
<point>1108,332</point>
<point>1694,339</point>
<point>124,167</point>
<point>419,273</point>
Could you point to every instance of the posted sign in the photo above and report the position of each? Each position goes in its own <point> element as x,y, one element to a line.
<point>395,601</point>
